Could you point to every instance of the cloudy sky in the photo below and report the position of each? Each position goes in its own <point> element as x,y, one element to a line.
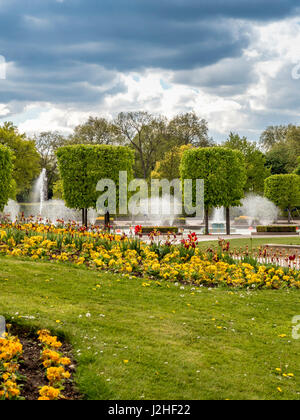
<point>235,62</point>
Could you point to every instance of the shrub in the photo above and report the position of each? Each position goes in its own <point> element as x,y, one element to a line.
<point>161,229</point>
<point>276,228</point>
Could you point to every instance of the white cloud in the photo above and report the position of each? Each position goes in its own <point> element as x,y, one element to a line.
<point>243,94</point>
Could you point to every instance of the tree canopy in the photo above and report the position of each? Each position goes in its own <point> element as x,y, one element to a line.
<point>169,167</point>
<point>282,145</point>
<point>82,167</point>
<point>189,128</point>
<point>284,191</point>
<point>47,143</point>
<point>6,172</point>
<point>224,174</point>
<point>97,130</point>
<point>255,162</point>
<point>26,158</point>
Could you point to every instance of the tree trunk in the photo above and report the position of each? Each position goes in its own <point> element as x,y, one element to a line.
<point>207,221</point>
<point>290,215</point>
<point>84,217</point>
<point>228,221</point>
<point>107,221</point>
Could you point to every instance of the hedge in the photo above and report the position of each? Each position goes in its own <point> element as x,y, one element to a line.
<point>277,229</point>
<point>284,191</point>
<point>6,175</point>
<point>82,167</point>
<point>224,173</point>
<point>162,229</point>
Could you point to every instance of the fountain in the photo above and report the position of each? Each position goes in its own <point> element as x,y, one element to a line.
<point>11,210</point>
<point>40,193</point>
<point>159,213</point>
<point>218,224</point>
<point>259,209</point>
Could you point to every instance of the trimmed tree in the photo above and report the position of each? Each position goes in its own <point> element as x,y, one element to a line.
<point>284,191</point>
<point>6,175</point>
<point>224,174</point>
<point>82,167</point>
<point>297,171</point>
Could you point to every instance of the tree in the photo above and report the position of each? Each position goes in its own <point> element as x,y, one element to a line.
<point>283,148</point>
<point>274,135</point>
<point>278,159</point>
<point>284,191</point>
<point>6,178</point>
<point>187,129</point>
<point>95,131</point>
<point>224,174</point>
<point>293,145</point>
<point>82,167</point>
<point>26,158</point>
<point>47,143</point>
<point>145,134</point>
<point>255,162</point>
<point>297,171</point>
<point>169,167</point>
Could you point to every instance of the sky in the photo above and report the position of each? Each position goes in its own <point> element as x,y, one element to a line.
<point>236,63</point>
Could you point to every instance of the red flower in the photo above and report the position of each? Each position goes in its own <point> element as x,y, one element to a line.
<point>138,229</point>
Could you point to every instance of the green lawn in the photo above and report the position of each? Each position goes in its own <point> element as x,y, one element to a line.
<point>253,242</point>
<point>173,345</point>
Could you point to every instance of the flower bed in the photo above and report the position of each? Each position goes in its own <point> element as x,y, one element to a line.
<point>31,368</point>
<point>185,262</point>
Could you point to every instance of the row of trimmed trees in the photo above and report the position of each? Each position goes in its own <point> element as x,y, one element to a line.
<point>223,171</point>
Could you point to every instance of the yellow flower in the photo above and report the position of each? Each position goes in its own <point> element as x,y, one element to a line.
<point>65,361</point>
<point>49,393</point>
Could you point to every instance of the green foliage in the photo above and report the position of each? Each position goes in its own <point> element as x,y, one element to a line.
<point>95,131</point>
<point>47,143</point>
<point>274,135</point>
<point>278,159</point>
<point>169,167</point>
<point>145,134</point>
<point>255,162</point>
<point>153,136</point>
<point>283,147</point>
<point>82,167</point>
<point>277,229</point>
<point>6,180</point>
<point>58,191</point>
<point>223,171</point>
<point>189,128</point>
<point>26,158</point>
<point>297,171</point>
<point>283,190</point>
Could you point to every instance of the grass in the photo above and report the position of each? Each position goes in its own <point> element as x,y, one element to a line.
<point>169,336</point>
<point>253,242</point>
